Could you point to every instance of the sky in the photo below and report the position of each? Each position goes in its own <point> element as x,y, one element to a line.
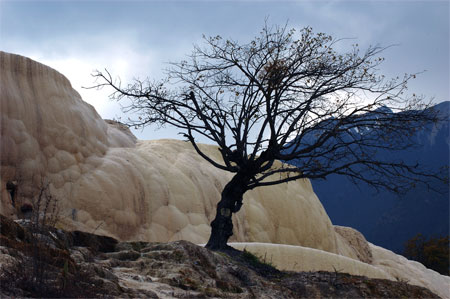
<point>136,39</point>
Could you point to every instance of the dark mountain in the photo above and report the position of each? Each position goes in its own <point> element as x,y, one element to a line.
<point>388,219</point>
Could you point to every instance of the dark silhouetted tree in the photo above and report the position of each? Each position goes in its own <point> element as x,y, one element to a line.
<point>285,95</point>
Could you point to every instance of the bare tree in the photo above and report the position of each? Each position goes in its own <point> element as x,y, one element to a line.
<point>287,96</point>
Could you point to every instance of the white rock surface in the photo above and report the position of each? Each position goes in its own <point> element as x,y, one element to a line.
<point>109,182</point>
<point>298,258</point>
<point>402,269</point>
<point>385,264</point>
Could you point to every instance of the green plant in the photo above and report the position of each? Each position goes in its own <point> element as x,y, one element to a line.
<point>65,274</point>
<point>256,260</point>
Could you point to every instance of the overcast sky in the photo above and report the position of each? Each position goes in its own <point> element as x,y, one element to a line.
<point>137,38</point>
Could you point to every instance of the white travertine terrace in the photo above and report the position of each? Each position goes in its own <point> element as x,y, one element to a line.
<point>108,182</point>
<point>385,264</point>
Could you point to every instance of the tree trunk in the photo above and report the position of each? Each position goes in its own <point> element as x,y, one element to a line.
<point>231,202</point>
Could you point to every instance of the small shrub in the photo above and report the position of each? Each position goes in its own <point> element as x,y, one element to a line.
<point>432,253</point>
<point>43,215</point>
<point>255,260</point>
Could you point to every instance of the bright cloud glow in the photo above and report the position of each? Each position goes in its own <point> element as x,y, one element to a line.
<point>135,39</point>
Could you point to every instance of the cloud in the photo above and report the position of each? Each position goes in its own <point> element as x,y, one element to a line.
<point>77,57</point>
<point>137,39</point>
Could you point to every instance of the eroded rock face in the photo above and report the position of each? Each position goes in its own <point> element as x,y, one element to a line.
<point>357,242</point>
<point>109,182</point>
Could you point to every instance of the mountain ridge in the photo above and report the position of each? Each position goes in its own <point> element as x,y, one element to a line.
<point>387,219</point>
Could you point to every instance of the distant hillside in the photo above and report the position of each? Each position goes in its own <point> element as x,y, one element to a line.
<point>387,219</point>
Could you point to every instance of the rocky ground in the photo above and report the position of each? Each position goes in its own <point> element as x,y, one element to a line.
<point>47,262</point>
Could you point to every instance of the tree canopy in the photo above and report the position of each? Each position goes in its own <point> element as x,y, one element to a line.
<point>432,252</point>
<point>286,95</point>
